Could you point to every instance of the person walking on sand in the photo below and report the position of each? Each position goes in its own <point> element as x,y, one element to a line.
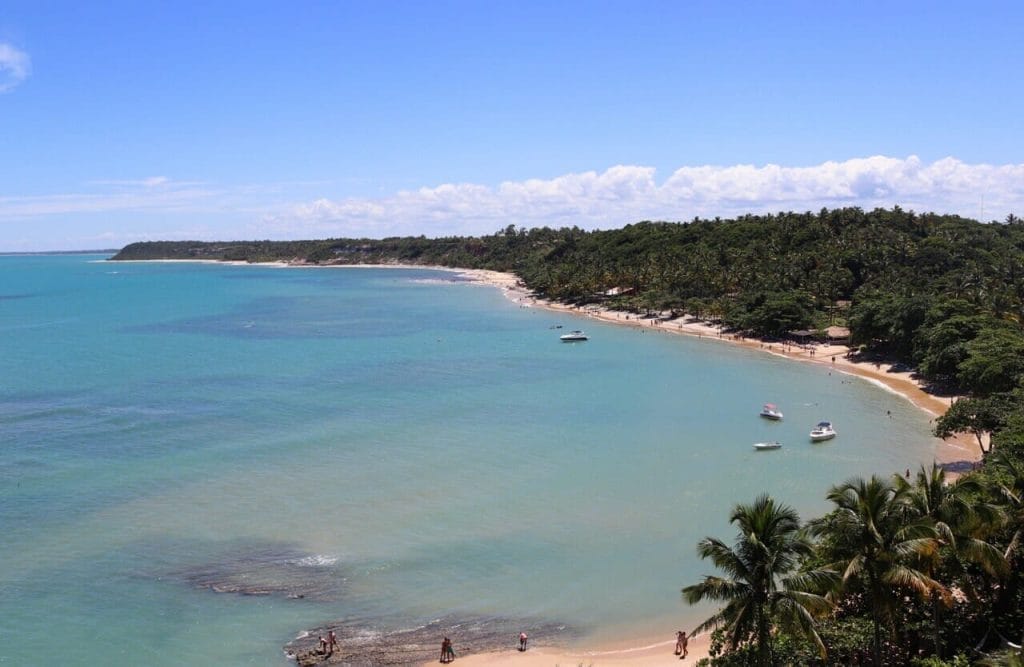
<point>522,641</point>
<point>681,642</point>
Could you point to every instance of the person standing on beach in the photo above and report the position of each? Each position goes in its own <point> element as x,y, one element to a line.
<point>522,641</point>
<point>332,641</point>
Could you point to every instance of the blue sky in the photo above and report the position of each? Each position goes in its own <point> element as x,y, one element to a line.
<point>125,121</point>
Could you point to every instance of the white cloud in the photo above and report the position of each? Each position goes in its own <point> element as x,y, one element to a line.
<point>624,194</point>
<point>149,182</point>
<point>158,207</point>
<point>152,194</point>
<point>15,66</point>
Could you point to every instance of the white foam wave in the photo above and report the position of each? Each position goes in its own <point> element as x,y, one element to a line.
<point>435,281</point>
<point>632,649</point>
<point>417,628</point>
<point>316,560</point>
<point>367,634</point>
<point>882,385</point>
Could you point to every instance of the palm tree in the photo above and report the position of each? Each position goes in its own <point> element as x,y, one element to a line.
<point>961,522</point>
<point>762,583</point>
<point>873,536</point>
<point>1011,493</point>
<point>1011,490</point>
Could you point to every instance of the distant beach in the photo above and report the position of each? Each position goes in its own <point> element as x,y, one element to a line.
<point>961,450</point>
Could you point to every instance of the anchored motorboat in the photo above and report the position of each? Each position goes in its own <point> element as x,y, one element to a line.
<point>823,431</point>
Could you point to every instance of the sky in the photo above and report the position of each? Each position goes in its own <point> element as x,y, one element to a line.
<point>133,121</point>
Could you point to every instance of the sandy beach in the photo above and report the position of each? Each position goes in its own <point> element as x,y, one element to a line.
<point>653,653</point>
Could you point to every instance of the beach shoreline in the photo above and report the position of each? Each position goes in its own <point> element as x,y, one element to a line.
<point>958,454</point>
<point>651,652</point>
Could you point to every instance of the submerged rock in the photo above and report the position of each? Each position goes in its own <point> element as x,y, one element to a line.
<point>268,570</point>
<point>362,642</point>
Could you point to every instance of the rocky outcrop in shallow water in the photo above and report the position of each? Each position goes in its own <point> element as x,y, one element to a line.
<point>363,644</point>
<point>268,570</point>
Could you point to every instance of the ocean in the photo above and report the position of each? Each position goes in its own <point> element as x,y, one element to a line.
<point>198,462</point>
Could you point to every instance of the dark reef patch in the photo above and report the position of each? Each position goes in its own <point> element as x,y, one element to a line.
<point>268,570</point>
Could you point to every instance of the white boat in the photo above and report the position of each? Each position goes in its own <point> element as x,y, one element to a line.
<point>573,336</point>
<point>767,445</point>
<point>823,431</point>
<point>771,411</point>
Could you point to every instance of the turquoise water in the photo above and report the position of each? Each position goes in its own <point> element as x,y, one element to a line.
<point>392,445</point>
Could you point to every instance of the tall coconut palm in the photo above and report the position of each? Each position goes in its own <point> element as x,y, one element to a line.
<point>961,521</point>
<point>873,535</point>
<point>762,585</point>
<point>1011,490</point>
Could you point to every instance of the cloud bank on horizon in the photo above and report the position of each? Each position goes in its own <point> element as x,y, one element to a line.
<point>15,66</point>
<point>625,194</point>
<point>117,212</point>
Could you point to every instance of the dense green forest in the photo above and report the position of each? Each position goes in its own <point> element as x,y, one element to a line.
<point>901,571</point>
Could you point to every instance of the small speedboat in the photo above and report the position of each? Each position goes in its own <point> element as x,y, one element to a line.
<point>573,336</point>
<point>823,431</point>
<point>775,444</point>
<point>771,411</point>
